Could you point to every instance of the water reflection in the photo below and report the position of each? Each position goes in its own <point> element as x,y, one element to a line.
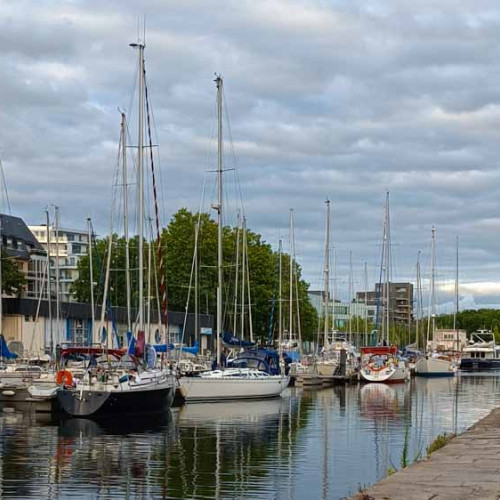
<point>321,444</point>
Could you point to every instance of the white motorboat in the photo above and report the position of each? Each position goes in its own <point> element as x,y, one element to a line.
<point>382,364</point>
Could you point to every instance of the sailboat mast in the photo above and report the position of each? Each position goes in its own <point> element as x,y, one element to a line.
<point>350,287</point>
<point>58,305</point>
<point>140,174</point>
<point>1,277</point>
<point>219,84</point>
<point>237,273</point>
<point>196,297</point>
<point>388,269</point>
<point>125,217</point>
<point>430,313</point>
<point>291,277</point>
<point>455,325</point>
<point>419,303</point>
<point>366,303</point>
<point>150,244</point>
<point>280,306</point>
<point>327,274</point>
<point>91,270</point>
<point>243,276</point>
<point>48,283</point>
<point>250,324</point>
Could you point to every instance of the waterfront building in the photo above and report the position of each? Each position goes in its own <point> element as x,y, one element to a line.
<point>68,248</point>
<point>446,340</point>
<point>21,247</point>
<point>30,335</point>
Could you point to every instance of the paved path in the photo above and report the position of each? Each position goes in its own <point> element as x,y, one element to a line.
<point>468,467</point>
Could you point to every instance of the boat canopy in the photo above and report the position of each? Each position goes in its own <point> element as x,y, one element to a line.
<point>89,351</point>
<point>380,350</point>
<point>265,360</point>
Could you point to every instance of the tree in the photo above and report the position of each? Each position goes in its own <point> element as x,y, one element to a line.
<point>178,242</point>
<point>13,279</point>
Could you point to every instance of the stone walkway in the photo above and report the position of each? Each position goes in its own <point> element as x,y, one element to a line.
<point>468,467</point>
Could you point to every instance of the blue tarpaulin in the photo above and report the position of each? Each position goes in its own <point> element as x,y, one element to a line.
<point>4,350</point>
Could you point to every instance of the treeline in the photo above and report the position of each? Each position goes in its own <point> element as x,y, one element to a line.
<point>472,320</point>
<point>178,244</point>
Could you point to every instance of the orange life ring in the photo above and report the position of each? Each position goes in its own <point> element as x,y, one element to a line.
<point>375,368</point>
<point>64,377</point>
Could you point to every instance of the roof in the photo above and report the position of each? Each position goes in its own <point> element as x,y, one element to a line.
<point>25,241</point>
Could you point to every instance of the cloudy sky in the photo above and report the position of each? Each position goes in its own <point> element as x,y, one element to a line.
<point>337,98</point>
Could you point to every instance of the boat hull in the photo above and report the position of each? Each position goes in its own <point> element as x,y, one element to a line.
<point>434,367</point>
<point>479,364</point>
<point>95,403</point>
<point>388,376</point>
<point>197,389</point>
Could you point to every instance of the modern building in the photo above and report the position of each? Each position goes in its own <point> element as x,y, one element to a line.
<point>400,301</point>
<point>68,248</point>
<point>341,311</point>
<point>20,246</point>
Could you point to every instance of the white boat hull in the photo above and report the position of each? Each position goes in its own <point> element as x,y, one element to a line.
<point>197,389</point>
<point>392,374</point>
<point>429,366</point>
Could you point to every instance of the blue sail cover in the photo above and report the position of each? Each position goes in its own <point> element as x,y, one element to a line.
<point>4,350</point>
<point>130,343</point>
<point>231,341</point>
<point>163,347</point>
<point>293,355</point>
<point>171,347</point>
<point>150,356</point>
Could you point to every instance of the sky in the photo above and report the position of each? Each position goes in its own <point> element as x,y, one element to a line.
<point>340,99</point>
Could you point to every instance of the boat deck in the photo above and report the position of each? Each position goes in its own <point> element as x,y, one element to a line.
<point>468,467</point>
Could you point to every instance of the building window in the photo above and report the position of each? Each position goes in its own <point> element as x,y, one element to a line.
<point>71,237</point>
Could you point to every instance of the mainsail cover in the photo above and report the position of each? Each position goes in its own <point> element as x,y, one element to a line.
<point>231,341</point>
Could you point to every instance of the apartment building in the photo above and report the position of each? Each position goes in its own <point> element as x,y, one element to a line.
<point>67,248</point>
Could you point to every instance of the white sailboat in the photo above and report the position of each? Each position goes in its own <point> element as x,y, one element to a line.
<point>382,363</point>
<point>232,383</point>
<point>433,364</point>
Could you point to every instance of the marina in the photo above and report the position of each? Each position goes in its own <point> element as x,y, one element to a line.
<point>326,443</point>
<point>249,250</point>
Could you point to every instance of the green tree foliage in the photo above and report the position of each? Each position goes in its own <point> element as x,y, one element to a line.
<point>472,320</point>
<point>13,279</point>
<point>178,242</point>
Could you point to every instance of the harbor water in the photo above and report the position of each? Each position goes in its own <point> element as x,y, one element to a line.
<point>324,443</point>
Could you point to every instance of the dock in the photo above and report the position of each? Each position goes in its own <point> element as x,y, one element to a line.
<point>466,468</point>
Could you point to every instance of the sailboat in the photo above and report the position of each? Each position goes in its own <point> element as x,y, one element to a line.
<point>433,364</point>
<point>228,383</point>
<point>382,363</point>
<point>333,345</point>
<point>119,382</point>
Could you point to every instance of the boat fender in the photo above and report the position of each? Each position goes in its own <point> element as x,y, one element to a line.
<point>64,377</point>
<point>8,393</point>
